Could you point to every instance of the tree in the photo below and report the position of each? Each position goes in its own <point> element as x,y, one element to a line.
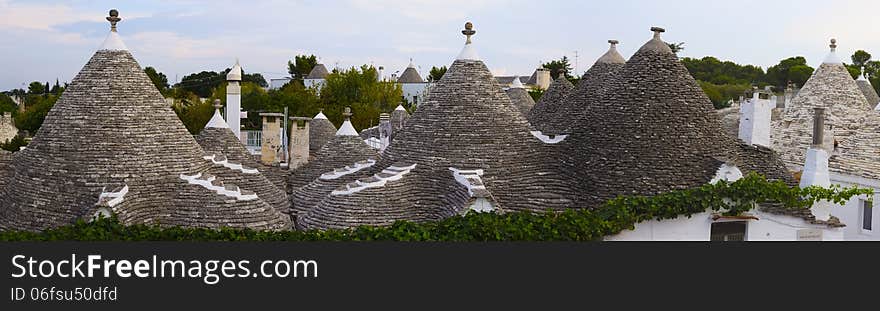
<point>32,118</point>
<point>202,83</point>
<point>710,69</point>
<point>159,79</point>
<point>676,47</point>
<point>792,69</point>
<point>301,65</point>
<point>57,89</point>
<point>36,88</point>
<point>558,66</point>
<point>254,78</point>
<point>6,104</point>
<point>437,73</point>
<point>358,88</point>
<point>860,58</point>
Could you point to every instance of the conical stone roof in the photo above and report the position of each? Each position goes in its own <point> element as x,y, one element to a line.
<point>550,104</point>
<point>558,117</point>
<point>342,150</point>
<point>5,159</point>
<point>219,143</point>
<point>112,135</point>
<point>833,88</point>
<point>318,72</point>
<point>520,97</point>
<point>654,131</point>
<point>321,130</point>
<point>468,124</point>
<point>868,90</point>
<point>410,75</point>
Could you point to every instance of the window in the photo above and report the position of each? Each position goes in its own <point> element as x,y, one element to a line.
<point>867,215</point>
<point>728,231</point>
<point>415,100</point>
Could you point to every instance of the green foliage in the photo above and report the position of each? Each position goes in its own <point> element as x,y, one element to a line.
<point>201,84</point>
<point>301,66</point>
<point>613,217</point>
<point>676,47</point>
<point>720,95</point>
<point>195,114</point>
<point>437,73</point>
<point>7,104</point>
<point>536,94</point>
<point>159,79</point>
<point>36,88</point>
<point>557,66</point>
<point>37,108</point>
<point>793,69</point>
<point>14,144</point>
<point>358,88</point>
<point>710,69</point>
<point>860,58</point>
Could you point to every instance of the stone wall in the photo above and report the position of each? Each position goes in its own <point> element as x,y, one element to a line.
<point>7,128</point>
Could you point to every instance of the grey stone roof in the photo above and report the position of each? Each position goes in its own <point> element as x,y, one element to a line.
<point>832,87</point>
<point>110,129</point>
<point>868,90</point>
<point>5,159</point>
<point>222,144</point>
<point>467,124</point>
<point>399,117</point>
<point>320,132</point>
<point>547,113</point>
<point>342,150</point>
<point>521,99</point>
<point>559,118</point>
<point>318,72</point>
<point>859,156</point>
<point>730,119</point>
<point>370,132</point>
<point>507,80</point>
<point>654,131</point>
<point>410,75</point>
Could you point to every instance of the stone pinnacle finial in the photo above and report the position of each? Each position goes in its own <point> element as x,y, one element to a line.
<point>218,104</point>
<point>468,31</point>
<point>657,31</point>
<point>833,45</point>
<point>347,114</point>
<point>613,43</point>
<point>113,19</point>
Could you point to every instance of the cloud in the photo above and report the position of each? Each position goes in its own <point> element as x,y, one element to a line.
<point>428,10</point>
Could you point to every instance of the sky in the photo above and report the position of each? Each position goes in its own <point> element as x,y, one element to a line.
<point>49,40</point>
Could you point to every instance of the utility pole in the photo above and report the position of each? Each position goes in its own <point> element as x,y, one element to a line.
<point>576,68</point>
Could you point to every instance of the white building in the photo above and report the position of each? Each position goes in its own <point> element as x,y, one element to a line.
<point>414,87</point>
<point>316,77</point>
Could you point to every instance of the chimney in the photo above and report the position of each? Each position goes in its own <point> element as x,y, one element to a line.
<point>272,145</point>
<point>754,122</point>
<point>543,78</point>
<point>299,142</point>
<point>385,131</point>
<point>233,100</point>
<point>381,73</point>
<point>816,166</point>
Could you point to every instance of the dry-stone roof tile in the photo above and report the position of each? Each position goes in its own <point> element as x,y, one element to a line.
<point>112,127</point>
<point>652,131</point>
<point>558,116</point>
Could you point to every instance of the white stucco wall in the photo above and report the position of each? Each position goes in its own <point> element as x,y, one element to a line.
<point>768,227</point>
<point>851,212</point>
<point>754,124</point>
<point>317,83</point>
<point>414,89</point>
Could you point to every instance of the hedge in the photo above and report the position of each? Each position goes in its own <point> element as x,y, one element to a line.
<point>613,217</point>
